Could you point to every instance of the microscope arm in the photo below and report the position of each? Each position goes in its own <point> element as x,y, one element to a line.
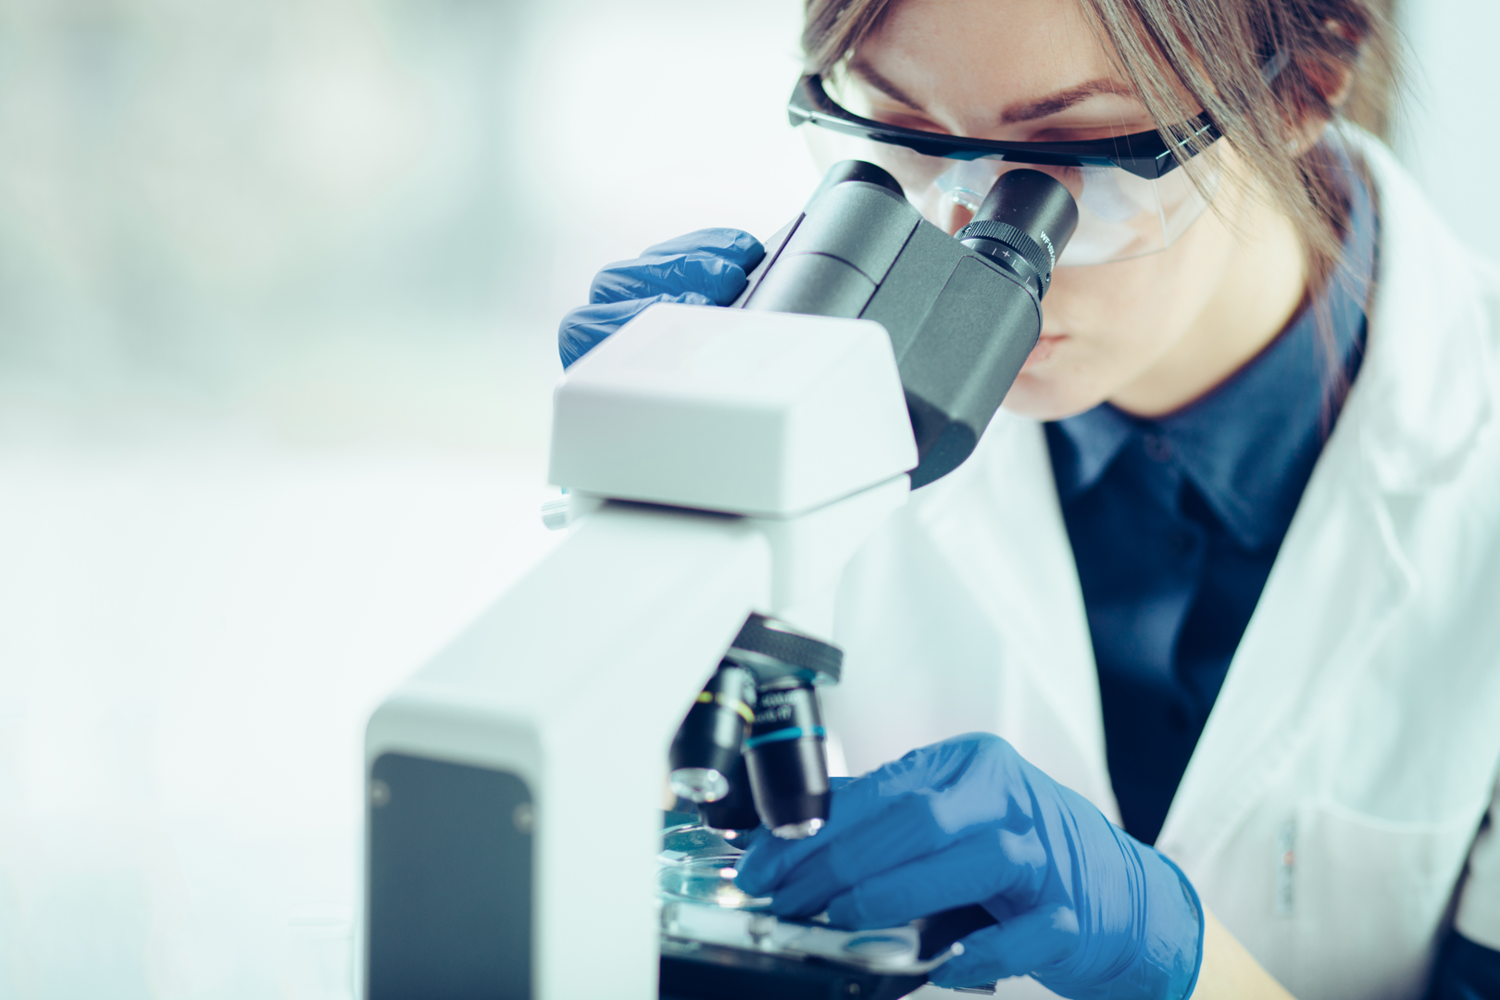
<point>513,825</point>
<point>515,781</point>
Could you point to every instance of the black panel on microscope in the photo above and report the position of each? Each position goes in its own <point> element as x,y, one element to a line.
<point>450,882</point>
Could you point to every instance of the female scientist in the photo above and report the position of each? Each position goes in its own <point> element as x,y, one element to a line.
<point>1225,573</point>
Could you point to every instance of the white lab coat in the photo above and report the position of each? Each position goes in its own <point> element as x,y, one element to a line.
<point>1337,793</point>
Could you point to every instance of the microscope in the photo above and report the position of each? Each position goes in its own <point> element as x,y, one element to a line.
<point>722,467</point>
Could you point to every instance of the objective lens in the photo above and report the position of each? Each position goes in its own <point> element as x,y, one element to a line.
<point>787,762</point>
<point>735,813</point>
<point>799,831</point>
<point>706,749</point>
<point>699,784</point>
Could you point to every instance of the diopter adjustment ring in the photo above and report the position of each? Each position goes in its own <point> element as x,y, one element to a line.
<point>773,650</point>
<point>1018,240</point>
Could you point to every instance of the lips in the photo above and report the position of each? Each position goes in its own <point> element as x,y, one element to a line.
<point>1046,346</point>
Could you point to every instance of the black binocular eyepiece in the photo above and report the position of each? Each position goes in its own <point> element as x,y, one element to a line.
<point>1022,225</point>
<point>963,311</point>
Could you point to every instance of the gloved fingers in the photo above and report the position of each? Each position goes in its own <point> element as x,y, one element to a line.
<point>1013,948</point>
<point>734,245</point>
<point>974,870</point>
<point>711,262</point>
<point>749,838</point>
<point>855,806</point>
<point>585,327</point>
<point>766,867</point>
<point>855,800</point>
<point>929,798</point>
<point>895,835</point>
<point>882,820</point>
<point>721,281</point>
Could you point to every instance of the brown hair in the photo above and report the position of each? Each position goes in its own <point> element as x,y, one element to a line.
<point>1209,53</point>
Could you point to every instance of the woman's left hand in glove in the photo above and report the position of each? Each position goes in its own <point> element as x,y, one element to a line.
<point>1079,904</point>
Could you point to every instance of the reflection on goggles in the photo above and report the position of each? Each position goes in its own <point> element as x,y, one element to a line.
<point>1120,215</point>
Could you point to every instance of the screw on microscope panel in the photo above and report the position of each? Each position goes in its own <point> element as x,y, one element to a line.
<point>762,926</point>
<point>380,793</point>
<point>523,817</point>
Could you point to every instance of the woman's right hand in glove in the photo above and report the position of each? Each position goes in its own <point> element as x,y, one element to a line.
<point>707,267</point>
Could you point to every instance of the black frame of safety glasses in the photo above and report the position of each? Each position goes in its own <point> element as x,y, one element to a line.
<point>1144,154</point>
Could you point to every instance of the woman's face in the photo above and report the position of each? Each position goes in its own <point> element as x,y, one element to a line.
<point>1152,333</point>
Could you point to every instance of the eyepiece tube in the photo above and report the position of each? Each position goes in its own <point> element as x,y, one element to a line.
<point>1023,224</point>
<point>857,170</point>
<point>706,749</point>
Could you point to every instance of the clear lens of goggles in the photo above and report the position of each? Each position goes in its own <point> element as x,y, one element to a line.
<point>1120,215</point>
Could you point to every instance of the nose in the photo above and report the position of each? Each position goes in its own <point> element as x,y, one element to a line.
<point>950,216</point>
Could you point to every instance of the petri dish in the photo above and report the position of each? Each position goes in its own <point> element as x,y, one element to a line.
<point>681,844</point>
<point>708,880</point>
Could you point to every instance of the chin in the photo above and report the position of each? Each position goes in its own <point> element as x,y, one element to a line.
<point>1041,398</point>
<point>1049,387</point>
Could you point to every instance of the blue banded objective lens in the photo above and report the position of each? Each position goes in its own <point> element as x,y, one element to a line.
<point>786,757</point>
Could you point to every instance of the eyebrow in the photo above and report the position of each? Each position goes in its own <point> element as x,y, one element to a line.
<point>1014,113</point>
<point>1062,100</point>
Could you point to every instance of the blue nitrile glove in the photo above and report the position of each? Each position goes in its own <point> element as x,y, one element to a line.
<point>704,268</point>
<point>1082,906</point>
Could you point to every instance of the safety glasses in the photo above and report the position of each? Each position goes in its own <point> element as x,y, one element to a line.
<point>1132,199</point>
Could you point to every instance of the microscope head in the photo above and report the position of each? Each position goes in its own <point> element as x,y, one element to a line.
<point>962,312</point>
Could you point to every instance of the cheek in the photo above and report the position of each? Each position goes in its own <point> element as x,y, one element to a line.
<point>1113,310</point>
<point>1118,320</point>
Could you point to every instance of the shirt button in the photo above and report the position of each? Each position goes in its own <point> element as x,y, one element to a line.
<point>1156,447</point>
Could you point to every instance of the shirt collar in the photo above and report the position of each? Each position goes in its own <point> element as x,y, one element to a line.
<point>1244,443</point>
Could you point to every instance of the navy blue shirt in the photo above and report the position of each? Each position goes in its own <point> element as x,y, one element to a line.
<point>1175,522</point>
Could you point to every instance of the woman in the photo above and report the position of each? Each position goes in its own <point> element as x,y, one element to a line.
<point>1223,574</point>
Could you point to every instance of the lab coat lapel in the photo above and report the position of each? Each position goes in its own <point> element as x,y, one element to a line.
<point>1000,526</point>
<point>1339,583</point>
<point>1342,578</point>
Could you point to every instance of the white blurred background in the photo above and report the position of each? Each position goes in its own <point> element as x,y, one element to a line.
<point>279,285</point>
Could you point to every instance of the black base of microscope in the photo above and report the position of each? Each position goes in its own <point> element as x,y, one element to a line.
<point>711,972</point>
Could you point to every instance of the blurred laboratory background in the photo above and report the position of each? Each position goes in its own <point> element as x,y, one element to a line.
<point>279,286</point>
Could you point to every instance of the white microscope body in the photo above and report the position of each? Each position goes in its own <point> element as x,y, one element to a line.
<point>718,461</point>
